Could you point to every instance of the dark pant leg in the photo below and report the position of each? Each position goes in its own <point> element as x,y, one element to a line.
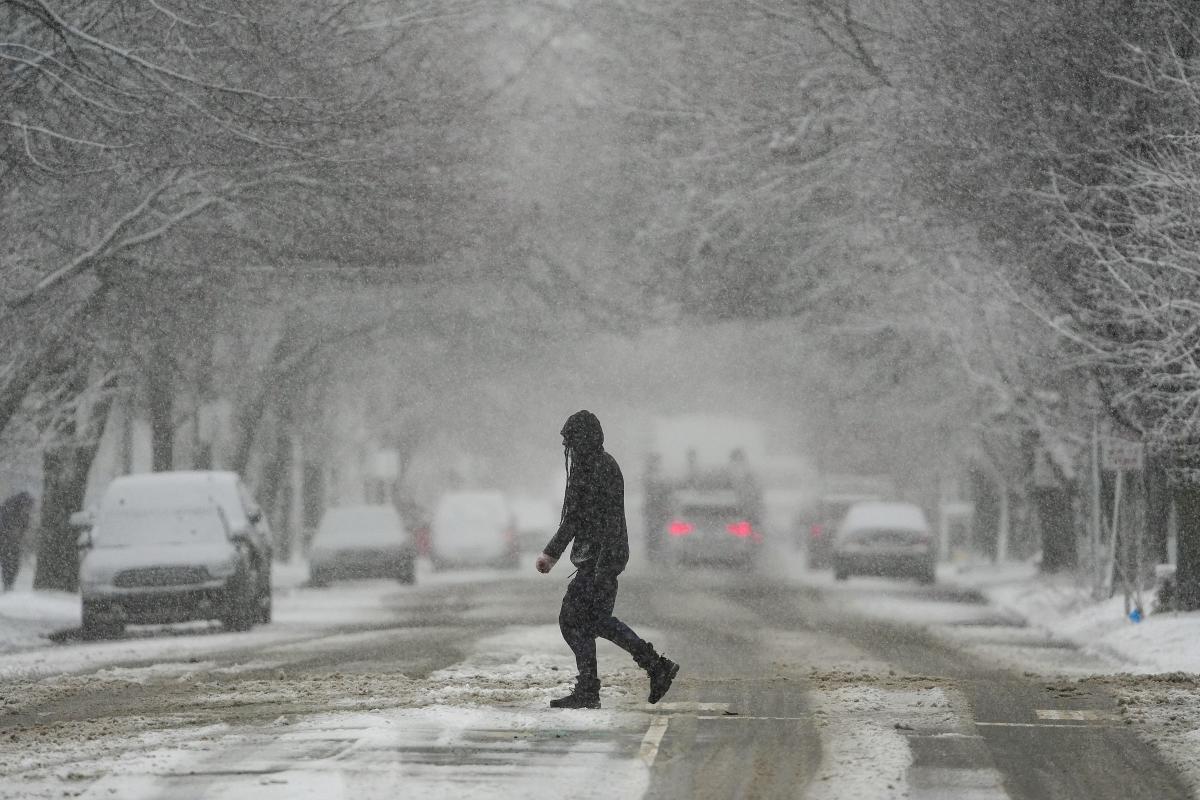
<point>576,620</point>
<point>614,630</point>
<point>587,613</point>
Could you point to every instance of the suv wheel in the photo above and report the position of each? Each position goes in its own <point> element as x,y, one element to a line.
<point>241,601</point>
<point>264,597</point>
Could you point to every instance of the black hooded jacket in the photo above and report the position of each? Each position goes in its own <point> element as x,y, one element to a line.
<point>593,514</point>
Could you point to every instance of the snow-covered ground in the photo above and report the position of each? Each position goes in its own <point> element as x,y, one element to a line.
<point>1063,607</point>
<point>28,619</point>
<point>358,733</point>
<point>477,729</point>
<point>1041,625</point>
<point>1151,666</point>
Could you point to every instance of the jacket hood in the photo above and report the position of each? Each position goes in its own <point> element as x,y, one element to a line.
<point>582,433</point>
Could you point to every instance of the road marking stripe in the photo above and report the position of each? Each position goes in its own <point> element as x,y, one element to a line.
<point>957,782</point>
<point>690,706</point>
<point>739,716</point>
<point>1073,713</point>
<point>1040,725</point>
<point>654,735</point>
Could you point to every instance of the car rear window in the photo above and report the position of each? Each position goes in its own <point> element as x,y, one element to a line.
<point>884,534</point>
<point>360,527</point>
<point>900,516</point>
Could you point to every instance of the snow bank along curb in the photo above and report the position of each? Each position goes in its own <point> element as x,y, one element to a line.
<point>1055,604</point>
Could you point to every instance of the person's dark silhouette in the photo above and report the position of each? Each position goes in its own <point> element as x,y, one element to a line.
<point>14,520</point>
<point>593,519</point>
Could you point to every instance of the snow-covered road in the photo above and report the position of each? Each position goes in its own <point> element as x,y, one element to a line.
<point>793,686</point>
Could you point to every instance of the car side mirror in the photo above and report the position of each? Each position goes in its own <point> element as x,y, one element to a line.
<point>81,519</point>
<point>84,542</point>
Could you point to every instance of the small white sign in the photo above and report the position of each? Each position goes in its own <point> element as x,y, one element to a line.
<point>1121,454</point>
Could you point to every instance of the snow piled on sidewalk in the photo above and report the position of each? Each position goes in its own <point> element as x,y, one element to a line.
<point>27,617</point>
<point>1059,605</point>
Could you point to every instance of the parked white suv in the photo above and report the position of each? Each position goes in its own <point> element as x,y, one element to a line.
<point>171,547</point>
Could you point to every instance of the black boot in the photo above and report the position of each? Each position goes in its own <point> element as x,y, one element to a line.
<point>661,673</point>
<point>586,694</point>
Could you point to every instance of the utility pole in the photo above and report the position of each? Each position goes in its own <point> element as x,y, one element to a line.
<point>1094,537</point>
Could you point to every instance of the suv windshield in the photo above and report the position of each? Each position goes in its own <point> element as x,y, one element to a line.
<point>129,526</point>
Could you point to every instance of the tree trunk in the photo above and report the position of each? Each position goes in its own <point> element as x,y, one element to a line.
<point>65,470</point>
<point>161,400</point>
<point>1187,569</point>
<point>1158,511</point>
<point>24,374</point>
<point>1004,523</point>
<point>986,520</point>
<point>249,420</point>
<point>275,491</point>
<point>1055,516</point>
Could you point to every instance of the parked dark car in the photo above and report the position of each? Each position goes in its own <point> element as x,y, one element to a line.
<point>816,527</point>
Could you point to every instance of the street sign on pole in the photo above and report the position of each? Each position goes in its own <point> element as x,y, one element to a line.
<point>1118,455</point>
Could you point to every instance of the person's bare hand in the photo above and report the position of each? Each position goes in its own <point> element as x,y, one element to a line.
<point>545,563</point>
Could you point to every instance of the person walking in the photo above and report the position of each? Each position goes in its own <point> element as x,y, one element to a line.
<point>593,522</point>
<point>14,521</point>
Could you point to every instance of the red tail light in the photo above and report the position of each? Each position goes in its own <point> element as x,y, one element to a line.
<point>679,528</point>
<point>817,530</point>
<point>740,529</point>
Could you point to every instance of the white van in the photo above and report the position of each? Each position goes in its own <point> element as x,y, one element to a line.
<point>171,547</point>
<point>473,529</point>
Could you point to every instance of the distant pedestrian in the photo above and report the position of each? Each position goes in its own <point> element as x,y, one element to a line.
<point>14,522</point>
<point>656,505</point>
<point>593,518</point>
<point>745,486</point>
